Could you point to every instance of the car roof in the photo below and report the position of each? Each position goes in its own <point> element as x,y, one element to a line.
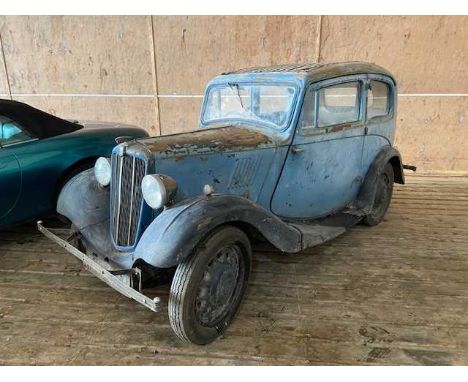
<point>36,122</point>
<point>318,71</point>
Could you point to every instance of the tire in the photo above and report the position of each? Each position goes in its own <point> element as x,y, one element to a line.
<point>382,198</point>
<point>208,287</point>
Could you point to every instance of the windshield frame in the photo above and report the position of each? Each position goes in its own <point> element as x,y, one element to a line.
<point>251,122</point>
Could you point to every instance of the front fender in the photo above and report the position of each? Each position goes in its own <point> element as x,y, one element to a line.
<point>173,234</point>
<point>86,205</point>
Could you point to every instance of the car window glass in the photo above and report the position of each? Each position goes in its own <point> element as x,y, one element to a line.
<point>307,118</point>
<point>257,103</point>
<point>338,104</point>
<point>11,132</point>
<point>377,99</point>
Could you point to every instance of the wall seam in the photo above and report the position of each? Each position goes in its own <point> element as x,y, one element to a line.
<point>191,95</point>
<point>5,68</point>
<point>155,83</point>
<point>318,41</point>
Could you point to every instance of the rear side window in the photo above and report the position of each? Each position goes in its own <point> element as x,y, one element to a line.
<point>338,104</point>
<point>378,99</point>
<point>10,132</point>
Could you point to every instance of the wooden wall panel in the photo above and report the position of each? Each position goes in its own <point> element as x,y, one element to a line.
<point>432,133</point>
<point>134,111</point>
<point>3,71</point>
<point>3,79</point>
<point>116,55</point>
<point>79,54</point>
<point>190,50</point>
<point>428,54</point>
<point>179,114</point>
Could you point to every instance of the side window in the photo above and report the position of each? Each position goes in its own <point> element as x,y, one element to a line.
<point>307,118</point>
<point>338,104</point>
<point>378,97</point>
<point>11,132</point>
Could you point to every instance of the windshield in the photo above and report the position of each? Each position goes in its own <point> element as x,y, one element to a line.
<point>257,103</point>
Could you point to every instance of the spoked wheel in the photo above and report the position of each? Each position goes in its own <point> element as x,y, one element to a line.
<point>208,287</point>
<point>383,196</point>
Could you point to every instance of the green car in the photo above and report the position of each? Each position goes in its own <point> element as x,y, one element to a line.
<point>40,152</point>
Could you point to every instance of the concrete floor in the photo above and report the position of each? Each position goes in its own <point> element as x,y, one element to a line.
<point>392,294</point>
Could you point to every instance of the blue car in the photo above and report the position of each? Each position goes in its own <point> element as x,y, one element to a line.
<point>292,154</point>
<point>39,153</point>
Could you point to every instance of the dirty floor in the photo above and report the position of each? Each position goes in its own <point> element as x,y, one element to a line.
<point>392,294</point>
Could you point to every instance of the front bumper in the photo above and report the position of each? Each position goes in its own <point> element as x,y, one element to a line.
<point>109,277</point>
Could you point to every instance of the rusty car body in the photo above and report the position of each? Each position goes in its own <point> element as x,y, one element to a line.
<point>294,154</point>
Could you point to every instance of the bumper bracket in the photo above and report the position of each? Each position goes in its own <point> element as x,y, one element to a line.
<point>109,277</point>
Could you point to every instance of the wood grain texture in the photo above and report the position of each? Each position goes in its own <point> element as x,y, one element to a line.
<point>4,90</point>
<point>432,133</point>
<point>72,55</point>
<point>179,115</point>
<point>193,49</point>
<point>427,54</point>
<point>79,54</point>
<point>392,294</point>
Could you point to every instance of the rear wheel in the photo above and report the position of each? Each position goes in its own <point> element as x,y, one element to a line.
<point>383,196</point>
<point>208,287</point>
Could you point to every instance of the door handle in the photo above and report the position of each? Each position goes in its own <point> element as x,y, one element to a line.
<point>296,149</point>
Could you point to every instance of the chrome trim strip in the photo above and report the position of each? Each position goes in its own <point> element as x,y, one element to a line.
<point>117,220</point>
<point>131,201</point>
<point>102,273</point>
<point>19,143</point>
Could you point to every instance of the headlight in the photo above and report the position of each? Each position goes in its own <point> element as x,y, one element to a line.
<point>158,190</point>
<point>102,171</point>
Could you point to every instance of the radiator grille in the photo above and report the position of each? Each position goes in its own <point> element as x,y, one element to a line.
<point>126,198</point>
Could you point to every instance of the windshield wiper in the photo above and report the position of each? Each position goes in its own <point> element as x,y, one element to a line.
<point>234,85</point>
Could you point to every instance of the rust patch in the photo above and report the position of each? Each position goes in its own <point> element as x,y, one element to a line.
<point>231,138</point>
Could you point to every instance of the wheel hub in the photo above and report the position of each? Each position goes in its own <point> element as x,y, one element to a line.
<point>218,286</point>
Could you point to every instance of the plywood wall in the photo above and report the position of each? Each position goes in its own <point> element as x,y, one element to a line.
<point>151,71</point>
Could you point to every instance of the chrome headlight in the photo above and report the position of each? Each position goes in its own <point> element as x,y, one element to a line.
<point>102,171</point>
<point>158,190</point>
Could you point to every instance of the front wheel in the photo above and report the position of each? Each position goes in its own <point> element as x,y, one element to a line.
<point>208,287</point>
<point>383,196</point>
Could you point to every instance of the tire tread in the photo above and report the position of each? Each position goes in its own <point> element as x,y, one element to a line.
<point>180,282</point>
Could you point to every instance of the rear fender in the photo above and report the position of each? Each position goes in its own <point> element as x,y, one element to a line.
<point>365,199</point>
<point>174,234</point>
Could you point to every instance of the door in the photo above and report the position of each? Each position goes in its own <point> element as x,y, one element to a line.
<point>11,135</point>
<point>380,121</point>
<point>323,170</point>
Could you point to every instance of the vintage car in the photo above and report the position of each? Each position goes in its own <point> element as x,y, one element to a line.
<point>40,152</point>
<point>291,154</point>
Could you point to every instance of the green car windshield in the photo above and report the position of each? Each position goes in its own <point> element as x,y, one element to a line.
<point>267,104</point>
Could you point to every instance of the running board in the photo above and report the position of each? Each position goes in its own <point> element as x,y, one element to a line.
<point>320,231</point>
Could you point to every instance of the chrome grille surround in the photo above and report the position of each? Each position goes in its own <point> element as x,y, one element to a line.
<point>129,166</point>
